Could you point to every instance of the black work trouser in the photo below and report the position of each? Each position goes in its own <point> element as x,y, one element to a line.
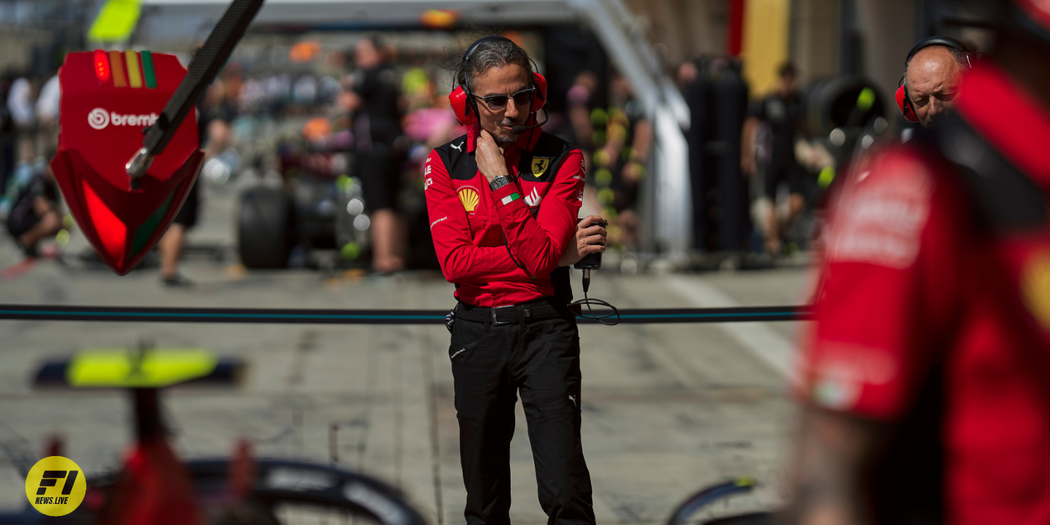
<point>541,360</point>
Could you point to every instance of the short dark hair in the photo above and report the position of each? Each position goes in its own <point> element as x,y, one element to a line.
<point>787,69</point>
<point>488,54</point>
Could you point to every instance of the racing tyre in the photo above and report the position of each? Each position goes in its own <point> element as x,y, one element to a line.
<point>264,228</point>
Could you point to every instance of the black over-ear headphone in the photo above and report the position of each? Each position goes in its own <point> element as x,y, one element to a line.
<point>903,101</point>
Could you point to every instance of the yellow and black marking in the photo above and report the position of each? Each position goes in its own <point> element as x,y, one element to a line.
<point>55,486</point>
<point>539,166</point>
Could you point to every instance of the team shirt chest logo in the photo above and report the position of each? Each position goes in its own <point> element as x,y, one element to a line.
<point>470,199</point>
<point>539,166</point>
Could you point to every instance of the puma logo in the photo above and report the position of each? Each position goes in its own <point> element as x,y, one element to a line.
<point>573,399</point>
<point>459,148</point>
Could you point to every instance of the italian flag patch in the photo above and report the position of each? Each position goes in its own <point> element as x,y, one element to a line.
<point>511,198</point>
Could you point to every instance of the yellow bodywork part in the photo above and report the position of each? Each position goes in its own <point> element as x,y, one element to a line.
<point>156,368</point>
<point>115,21</point>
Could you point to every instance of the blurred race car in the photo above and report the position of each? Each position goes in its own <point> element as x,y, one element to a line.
<point>318,205</point>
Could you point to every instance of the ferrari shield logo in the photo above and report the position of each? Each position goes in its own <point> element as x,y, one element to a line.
<point>539,165</point>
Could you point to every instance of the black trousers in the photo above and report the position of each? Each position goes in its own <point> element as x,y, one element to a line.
<point>491,364</point>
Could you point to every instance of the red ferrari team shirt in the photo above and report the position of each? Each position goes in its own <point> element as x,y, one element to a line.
<point>500,247</point>
<point>907,284</point>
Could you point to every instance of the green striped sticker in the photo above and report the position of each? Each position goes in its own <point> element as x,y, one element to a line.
<point>147,69</point>
<point>145,231</point>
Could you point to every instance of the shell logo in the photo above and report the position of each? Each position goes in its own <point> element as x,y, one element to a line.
<point>469,198</point>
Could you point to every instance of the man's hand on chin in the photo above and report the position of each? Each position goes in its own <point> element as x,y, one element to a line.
<point>489,156</point>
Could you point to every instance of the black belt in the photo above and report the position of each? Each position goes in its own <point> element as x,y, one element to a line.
<point>512,314</point>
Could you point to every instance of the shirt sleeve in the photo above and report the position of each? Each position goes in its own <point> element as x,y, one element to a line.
<point>887,290</point>
<point>537,242</point>
<point>461,261</point>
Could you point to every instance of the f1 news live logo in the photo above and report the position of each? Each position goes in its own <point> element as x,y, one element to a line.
<point>99,118</point>
<point>55,486</point>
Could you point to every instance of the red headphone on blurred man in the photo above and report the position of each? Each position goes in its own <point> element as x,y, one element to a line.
<point>462,100</point>
<point>903,102</point>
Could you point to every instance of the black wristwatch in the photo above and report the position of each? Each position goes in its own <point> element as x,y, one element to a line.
<point>499,182</point>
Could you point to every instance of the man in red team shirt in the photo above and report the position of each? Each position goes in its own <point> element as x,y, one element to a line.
<point>926,378</point>
<point>503,202</point>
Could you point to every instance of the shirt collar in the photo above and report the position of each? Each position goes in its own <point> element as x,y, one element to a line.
<point>1008,117</point>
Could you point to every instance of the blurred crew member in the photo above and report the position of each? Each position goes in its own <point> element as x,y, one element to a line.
<point>782,111</point>
<point>503,201</point>
<point>214,112</point>
<point>377,124</point>
<point>932,74</point>
<point>29,205</point>
<point>619,163</point>
<point>925,376</point>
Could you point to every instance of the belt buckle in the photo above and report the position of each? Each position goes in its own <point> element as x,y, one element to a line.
<point>496,322</point>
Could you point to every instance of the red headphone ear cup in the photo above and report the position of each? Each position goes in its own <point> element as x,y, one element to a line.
<point>460,102</point>
<point>540,99</point>
<point>904,105</point>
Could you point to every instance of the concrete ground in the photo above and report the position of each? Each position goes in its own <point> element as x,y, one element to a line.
<point>668,409</point>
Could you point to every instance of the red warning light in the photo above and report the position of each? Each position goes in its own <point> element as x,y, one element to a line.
<point>101,66</point>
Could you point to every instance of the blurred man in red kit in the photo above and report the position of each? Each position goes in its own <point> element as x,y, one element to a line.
<point>925,377</point>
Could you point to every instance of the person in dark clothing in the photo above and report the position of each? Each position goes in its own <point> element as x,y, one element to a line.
<point>377,125</point>
<point>7,132</point>
<point>213,133</point>
<point>503,202</point>
<point>781,110</point>
<point>29,204</point>
<point>620,163</point>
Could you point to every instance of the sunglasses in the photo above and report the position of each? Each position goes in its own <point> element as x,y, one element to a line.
<point>521,98</point>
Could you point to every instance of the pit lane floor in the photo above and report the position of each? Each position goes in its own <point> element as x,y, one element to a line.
<point>668,409</point>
